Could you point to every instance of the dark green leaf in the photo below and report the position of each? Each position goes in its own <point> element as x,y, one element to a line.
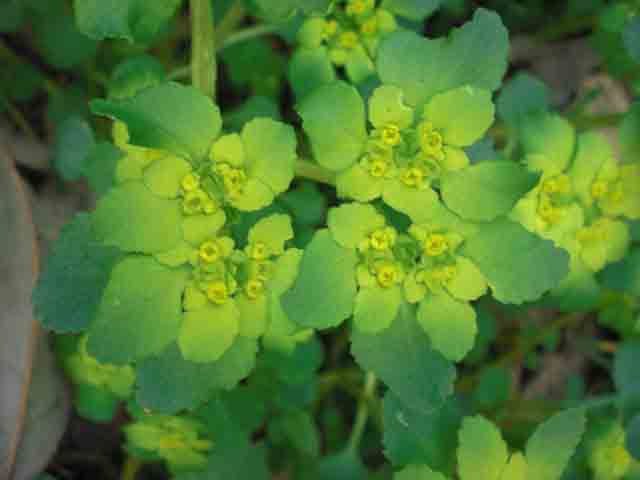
<point>74,141</point>
<point>413,437</point>
<point>168,383</point>
<point>402,357</point>
<point>321,297</point>
<point>134,20</point>
<point>70,288</point>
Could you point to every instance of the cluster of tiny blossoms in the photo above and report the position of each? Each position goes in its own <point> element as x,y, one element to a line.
<point>585,197</point>
<point>351,33</point>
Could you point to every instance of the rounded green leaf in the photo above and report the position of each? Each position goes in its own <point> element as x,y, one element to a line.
<point>167,383</point>
<point>254,315</point>
<point>133,20</point>
<point>140,312</point>
<point>321,297</point>
<point>359,66</point>
<point>548,140</point>
<point>163,176</point>
<point>77,271</point>
<point>516,469</point>
<point>462,115</point>
<point>208,333</point>
<point>403,358</point>
<point>133,219</point>
<point>134,75</point>
<point>74,142</point>
<point>450,324</point>
<point>198,228</point>
<point>376,308</point>
<point>169,116</point>
<point>387,107</point>
<point>518,265</point>
<point>334,119</point>
<point>520,96</point>
<point>255,196</point>
<point>270,149</point>
<point>487,190</point>
<point>351,223</point>
<point>309,69</point>
<point>414,202</point>
<point>357,184</point>
<point>469,283</point>
<point>475,54</point>
<point>482,453</point>
<point>563,433</point>
<point>274,231</point>
<point>284,274</point>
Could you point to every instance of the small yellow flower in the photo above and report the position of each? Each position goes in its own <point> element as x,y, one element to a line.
<point>548,212</point>
<point>330,29</point>
<point>369,27</point>
<point>254,288</point>
<point>560,184</point>
<point>210,251</point>
<point>413,177</point>
<point>195,201</point>
<point>190,183</point>
<point>217,292</point>
<point>383,239</point>
<point>388,275</point>
<point>378,168</point>
<point>357,7</point>
<point>390,135</point>
<point>348,40</point>
<point>435,245</point>
<point>431,141</point>
<point>258,251</point>
<point>234,181</point>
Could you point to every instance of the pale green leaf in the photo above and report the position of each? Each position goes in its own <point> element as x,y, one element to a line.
<point>548,141</point>
<point>321,297</point>
<point>70,288</point>
<point>334,119</point>
<point>387,107</point>
<point>450,325</point>
<point>131,218</point>
<point>553,444</point>
<point>376,308</point>
<point>140,312</point>
<point>351,223</point>
<point>518,265</point>
<point>487,190</point>
<point>206,334</point>
<point>133,20</point>
<point>169,116</point>
<point>482,453</point>
<point>475,54</point>
<point>462,115</point>
<point>403,358</point>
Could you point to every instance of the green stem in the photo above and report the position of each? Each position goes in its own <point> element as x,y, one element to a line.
<point>313,171</point>
<point>131,468</point>
<point>203,48</point>
<point>233,39</point>
<point>230,21</point>
<point>362,413</point>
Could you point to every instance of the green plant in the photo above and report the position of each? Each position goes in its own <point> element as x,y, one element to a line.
<point>232,255</point>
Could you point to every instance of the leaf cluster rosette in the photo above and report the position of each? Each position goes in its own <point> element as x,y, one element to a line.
<point>583,202</point>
